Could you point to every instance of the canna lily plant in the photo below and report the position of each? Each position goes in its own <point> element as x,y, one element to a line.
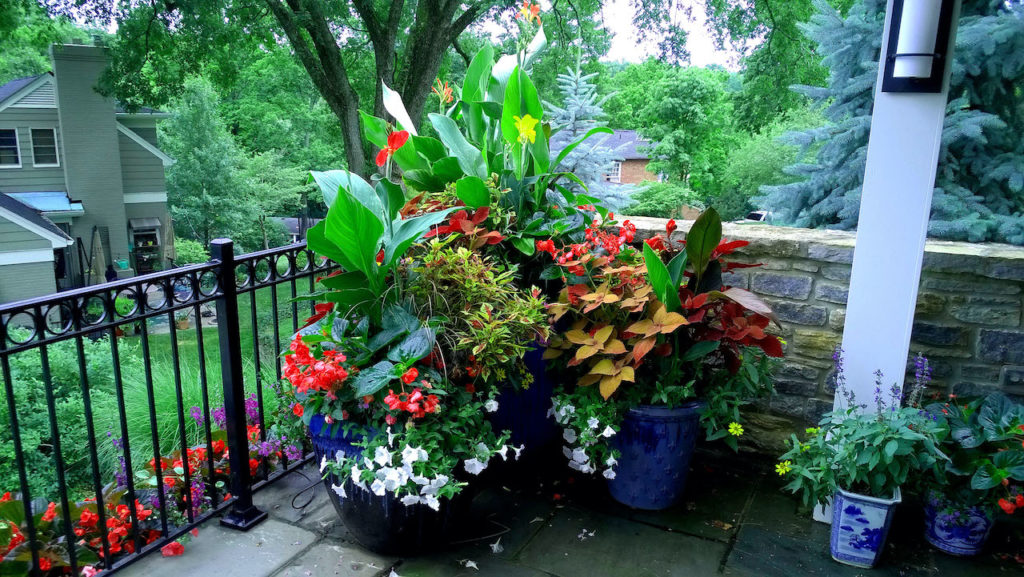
<point>491,152</point>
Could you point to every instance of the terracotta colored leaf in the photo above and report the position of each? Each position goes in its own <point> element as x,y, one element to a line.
<point>641,348</point>
<point>645,327</point>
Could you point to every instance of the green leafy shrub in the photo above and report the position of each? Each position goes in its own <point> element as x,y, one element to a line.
<point>662,200</point>
<point>189,252</point>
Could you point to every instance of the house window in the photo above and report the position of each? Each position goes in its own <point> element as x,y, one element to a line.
<point>9,154</point>
<point>616,173</point>
<point>44,147</point>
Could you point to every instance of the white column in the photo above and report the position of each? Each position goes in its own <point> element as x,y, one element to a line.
<point>902,157</point>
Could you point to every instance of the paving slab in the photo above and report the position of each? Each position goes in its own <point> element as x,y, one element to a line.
<point>580,543</point>
<point>712,505</point>
<point>513,517</point>
<point>454,565</point>
<point>328,559</point>
<point>222,552</point>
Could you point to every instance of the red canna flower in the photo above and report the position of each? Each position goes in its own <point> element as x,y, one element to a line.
<point>395,141</point>
<point>7,496</point>
<point>380,256</point>
<point>51,512</point>
<point>670,226</point>
<point>443,91</point>
<point>172,549</point>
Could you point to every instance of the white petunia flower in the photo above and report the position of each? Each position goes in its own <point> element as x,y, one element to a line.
<point>580,456</point>
<point>607,432</point>
<point>420,480</point>
<point>518,450</point>
<point>610,461</point>
<point>503,451</point>
<point>410,455</point>
<point>474,466</point>
<point>585,468</point>
<point>340,490</point>
<point>368,464</point>
<point>410,500</point>
<point>382,456</point>
<point>491,405</point>
<point>567,451</point>
<point>356,477</point>
<point>391,437</point>
<point>609,474</point>
<point>496,547</point>
<point>593,423</point>
<point>575,466</point>
<point>422,455</point>
<point>569,435</point>
<point>323,463</point>
<point>431,501</point>
<point>378,487</point>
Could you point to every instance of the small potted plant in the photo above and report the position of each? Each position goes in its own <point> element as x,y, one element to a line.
<point>181,319</point>
<point>985,474</point>
<point>658,347</point>
<point>858,458</point>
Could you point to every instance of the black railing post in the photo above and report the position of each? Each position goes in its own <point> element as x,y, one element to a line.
<point>243,515</point>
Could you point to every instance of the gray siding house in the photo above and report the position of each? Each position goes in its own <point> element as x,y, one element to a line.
<point>90,168</point>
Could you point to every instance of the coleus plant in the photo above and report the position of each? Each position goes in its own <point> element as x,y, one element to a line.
<point>655,327</point>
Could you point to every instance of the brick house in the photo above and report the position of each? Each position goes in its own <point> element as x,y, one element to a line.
<point>631,166</point>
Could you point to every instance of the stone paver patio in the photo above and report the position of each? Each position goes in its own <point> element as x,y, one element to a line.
<point>733,521</point>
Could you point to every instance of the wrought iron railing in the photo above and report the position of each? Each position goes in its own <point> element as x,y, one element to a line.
<point>58,529</point>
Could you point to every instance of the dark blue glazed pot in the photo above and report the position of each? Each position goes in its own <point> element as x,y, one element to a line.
<point>328,440</point>
<point>383,524</point>
<point>656,444</point>
<point>953,528</point>
<point>524,413</point>
<point>860,526</point>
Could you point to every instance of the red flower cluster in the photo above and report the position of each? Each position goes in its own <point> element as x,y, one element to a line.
<point>416,402</point>
<point>1010,506</point>
<point>410,376</point>
<point>306,373</point>
<point>119,528</point>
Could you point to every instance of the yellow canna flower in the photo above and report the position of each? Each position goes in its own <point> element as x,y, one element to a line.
<point>529,12</point>
<point>783,467</point>
<point>735,429</point>
<point>526,127</point>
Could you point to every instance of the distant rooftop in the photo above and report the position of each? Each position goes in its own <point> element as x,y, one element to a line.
<point>30,214</point>
<point>10,88</point>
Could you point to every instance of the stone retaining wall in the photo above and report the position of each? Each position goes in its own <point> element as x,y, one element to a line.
<point>968,320</point>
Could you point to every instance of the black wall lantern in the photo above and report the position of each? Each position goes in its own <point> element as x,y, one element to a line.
<point>918,45</point>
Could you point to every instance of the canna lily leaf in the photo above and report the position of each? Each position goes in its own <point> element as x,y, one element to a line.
<point>395,107</point>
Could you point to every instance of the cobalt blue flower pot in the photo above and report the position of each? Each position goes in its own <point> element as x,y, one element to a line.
<point>524,413</point>
<point>860,525</point>
<point>656,444</point>
<point>329,439</point>
<point>953,528</point>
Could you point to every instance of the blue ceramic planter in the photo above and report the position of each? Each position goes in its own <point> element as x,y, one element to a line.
<point>860,526</point>
<point>383,524</point>
<point>330,444</point>
<point>656,444</point>
<point>524,413</point>
<point>953,528</point>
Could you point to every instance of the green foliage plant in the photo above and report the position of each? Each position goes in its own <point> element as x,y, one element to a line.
<point>872,450</point>
<point>985,444</point>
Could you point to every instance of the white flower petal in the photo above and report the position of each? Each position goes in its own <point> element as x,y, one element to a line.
<point>382,456</point>
<point>491,405</point>
<point>431,501</point>
<point>378,487</point>
<point>607,432</point>
<point>580,456</point>
<point>474,466</point>
<point>410,500</point>
<point>593,423</point>
<point>609,474</point>
<point>323,463</point>
<point>340,490</point>
<point>569,435</point>
<point>519,450</point>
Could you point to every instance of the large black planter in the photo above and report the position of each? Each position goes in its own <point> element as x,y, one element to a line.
<point>383,524</point>
<point>524,413</point>
<point>656,444</point>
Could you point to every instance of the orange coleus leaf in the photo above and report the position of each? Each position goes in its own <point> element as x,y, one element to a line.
<point>641,348</point>
<point>585,352</point>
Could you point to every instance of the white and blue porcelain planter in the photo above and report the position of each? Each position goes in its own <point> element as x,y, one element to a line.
<point>860,525</point>
<point>953,528</point>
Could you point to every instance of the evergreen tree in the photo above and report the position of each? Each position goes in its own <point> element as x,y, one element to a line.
<point>979,194</point>
<point>203,186</point>
<point>581,111</point>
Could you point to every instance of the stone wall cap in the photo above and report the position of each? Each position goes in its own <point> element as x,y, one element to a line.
<point>765,233</point>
